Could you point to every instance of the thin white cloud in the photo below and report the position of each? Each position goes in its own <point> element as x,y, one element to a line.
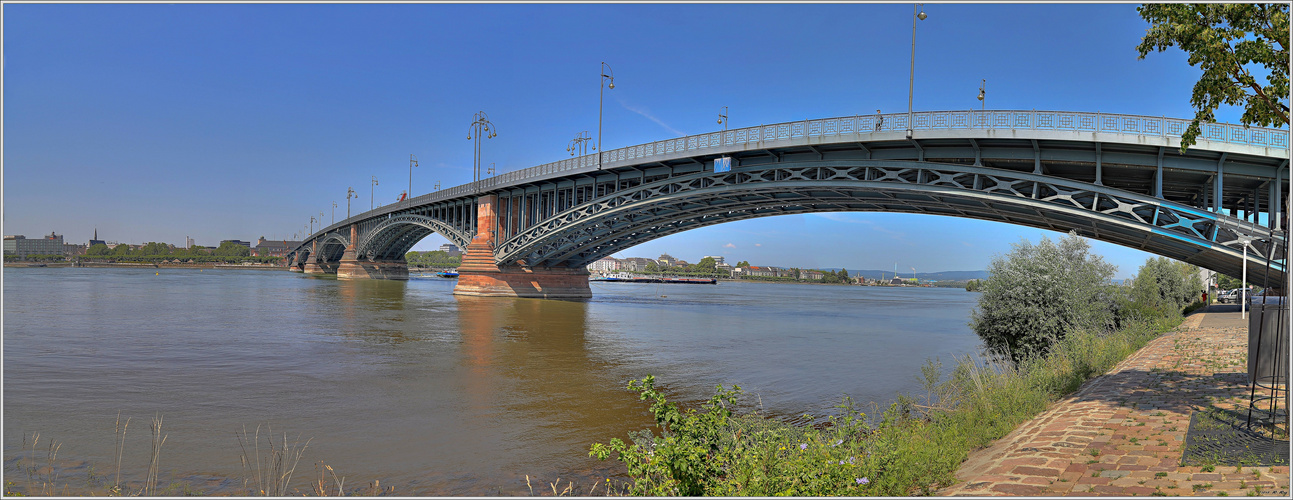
<point>646,113</point>
<point>729,245</point>
<point>758,244</point>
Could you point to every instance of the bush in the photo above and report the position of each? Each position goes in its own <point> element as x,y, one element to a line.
<point>1037,294</point>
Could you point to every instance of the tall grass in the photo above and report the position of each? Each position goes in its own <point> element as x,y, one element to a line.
<point>911,448</point>
<point>273,474</point>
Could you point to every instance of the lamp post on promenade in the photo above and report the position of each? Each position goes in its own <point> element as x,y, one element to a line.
<point>600,94</point>
<point>911,84</point>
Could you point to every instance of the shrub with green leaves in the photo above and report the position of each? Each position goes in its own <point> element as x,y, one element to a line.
<point>1037,294</point>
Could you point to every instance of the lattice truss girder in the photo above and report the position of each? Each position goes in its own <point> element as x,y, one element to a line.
<point>600,227</point>
<point>392,237</point>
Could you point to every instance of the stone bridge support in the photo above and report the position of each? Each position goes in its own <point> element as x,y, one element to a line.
<point>316,265</point>
<point>480,275</point>
<point>353,267</point>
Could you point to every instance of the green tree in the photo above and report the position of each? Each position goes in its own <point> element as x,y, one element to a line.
<point>706,265</point>
<point>744,263</point>
<point>1226,282</point>
<point>844,275</point>
<point>652,267</point>
<point>1166,286</point>
<point>972,286</point>
<point>1229,42</point>
<point>97,249</point>
<point>1037,294</point>
<point>231,249</point>
<point>121,250</point>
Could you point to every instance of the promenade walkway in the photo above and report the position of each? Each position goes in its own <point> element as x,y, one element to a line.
<point>1123,433</point>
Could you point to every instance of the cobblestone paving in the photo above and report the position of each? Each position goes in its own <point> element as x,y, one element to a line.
<point>1123,433</point>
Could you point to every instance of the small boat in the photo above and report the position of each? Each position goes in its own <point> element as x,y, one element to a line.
<point>447,274</point>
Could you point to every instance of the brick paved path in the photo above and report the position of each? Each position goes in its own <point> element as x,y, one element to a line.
<point>1123,433</point>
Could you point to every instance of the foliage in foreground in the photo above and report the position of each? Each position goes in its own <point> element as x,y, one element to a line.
<point>912,448</point>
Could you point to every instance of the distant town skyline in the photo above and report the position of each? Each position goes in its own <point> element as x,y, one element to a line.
<point>235,121</point>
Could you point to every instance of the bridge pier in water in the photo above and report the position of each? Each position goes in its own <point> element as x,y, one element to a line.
<point>353,267</point>
<point>480,275</point>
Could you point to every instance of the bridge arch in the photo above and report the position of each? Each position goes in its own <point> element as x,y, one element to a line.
<point>391,238</point>
<point>605,225</point>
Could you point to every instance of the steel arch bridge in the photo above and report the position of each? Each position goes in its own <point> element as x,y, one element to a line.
<point>1115,178</point>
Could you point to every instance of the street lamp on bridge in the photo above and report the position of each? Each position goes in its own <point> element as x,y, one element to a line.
<point>911,84</point>
<point>350,193</point>
<point>491,169</point>
<point>312,224</point>
<point>413,162</point>
<point>579,144</point>
<point>334,212</point>
<point>982,86</point>
<point>600,93</point>
<point>372,200</point>
<point>480,128</point>
<point>722,118</point>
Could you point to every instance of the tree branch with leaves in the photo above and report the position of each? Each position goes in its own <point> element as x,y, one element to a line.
<point>1228,42</point>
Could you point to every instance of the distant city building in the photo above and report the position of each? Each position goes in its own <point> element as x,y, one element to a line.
<point>605,264</point>
<point>270,248</point>
<point>765,271</point>
<point>810,275</point>
<point>74,249</point>
<point>635,263</point>
<point>666,260</point>
<point>188,242</point>
<point>22,246</point>
<point>237,242</point>
<point>450,249</point>
<point>718,259</point>
<point>95,240</point>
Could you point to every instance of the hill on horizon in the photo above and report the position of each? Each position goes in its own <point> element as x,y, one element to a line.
<point>872,274</point>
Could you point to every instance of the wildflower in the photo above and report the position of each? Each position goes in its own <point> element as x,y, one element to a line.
<point>850,460</point>
<point>863,480</point>
<point>838,442</point>
<point>803,446</point>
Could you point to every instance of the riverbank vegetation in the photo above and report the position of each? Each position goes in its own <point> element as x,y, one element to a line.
<point>915,445</point>
<point>433,258</point>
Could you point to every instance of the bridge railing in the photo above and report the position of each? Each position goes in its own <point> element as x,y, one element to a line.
<point>858,127</point>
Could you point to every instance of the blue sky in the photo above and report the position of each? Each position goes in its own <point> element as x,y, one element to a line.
<point>229,121</point>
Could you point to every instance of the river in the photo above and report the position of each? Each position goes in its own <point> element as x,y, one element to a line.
<point>430,393</point>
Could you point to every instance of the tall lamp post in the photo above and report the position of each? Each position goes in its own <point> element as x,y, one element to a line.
<point>911,85</point>
<point>334,212</point>
<point>372,200</point>
<point>982,86</point>
<point>491,169</point>
<point>413,162</point>
<point>579,144</point>
<point>722,118</point>
<point>311,224</point>
<point>480,128</point>
<point>350,193</point>
<point>606,68</point>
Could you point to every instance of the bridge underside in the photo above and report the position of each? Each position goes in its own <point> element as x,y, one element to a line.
<point>585,233</point>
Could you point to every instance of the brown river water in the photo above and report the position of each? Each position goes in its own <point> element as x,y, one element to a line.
<point>405,383</point>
